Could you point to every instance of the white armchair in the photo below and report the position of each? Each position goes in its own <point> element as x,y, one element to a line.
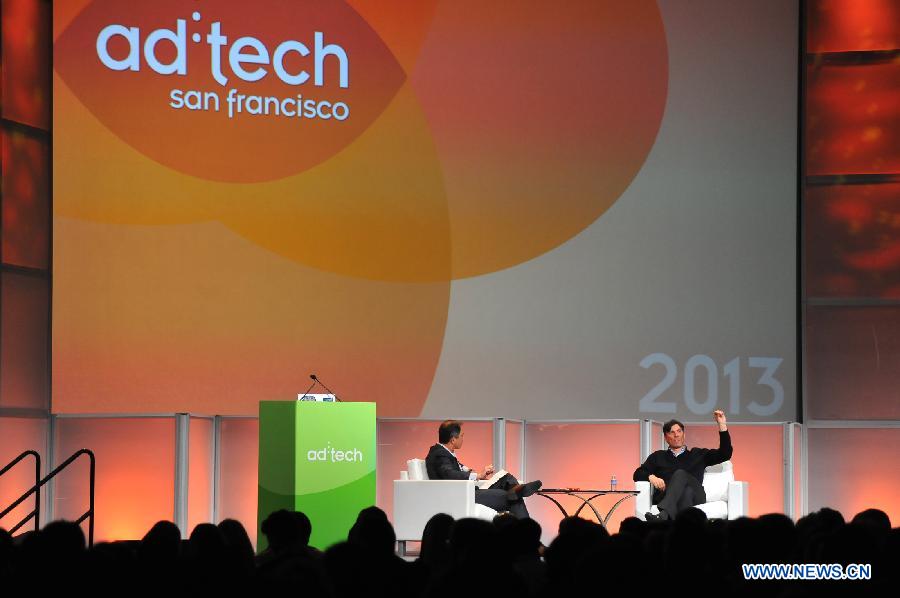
<point>726,498</point>
<point>418,499</point>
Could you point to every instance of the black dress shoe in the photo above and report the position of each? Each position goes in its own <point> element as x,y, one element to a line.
<point>651,516</point>
<point>523,490</point>
<point>530,488</point>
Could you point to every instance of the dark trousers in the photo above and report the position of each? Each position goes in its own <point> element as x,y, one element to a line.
<point>682,492</point>
<point>496,497</point>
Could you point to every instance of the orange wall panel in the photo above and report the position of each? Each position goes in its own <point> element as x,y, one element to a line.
<point>135,482</point>
<point>853,470</point>
<point>238,471</point>
<point>18,435</point>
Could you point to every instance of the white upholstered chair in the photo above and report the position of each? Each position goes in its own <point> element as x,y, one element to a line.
<point>725,498</point>
<point>418,499</point>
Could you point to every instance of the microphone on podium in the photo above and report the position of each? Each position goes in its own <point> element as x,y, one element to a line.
<point>316,380</point>
<point>306,392</point>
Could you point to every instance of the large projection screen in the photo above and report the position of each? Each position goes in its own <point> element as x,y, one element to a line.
<point>451,208</point>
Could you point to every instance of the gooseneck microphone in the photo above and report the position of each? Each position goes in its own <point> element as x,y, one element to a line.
<point>306,392</point>
<point>316,380</point>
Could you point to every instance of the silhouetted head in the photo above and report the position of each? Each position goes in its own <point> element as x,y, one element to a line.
<point>207,542</point>
<point>830,518</point>
<point>63,538</point>
<point>504,520</point>
<point>633,526</point>
<point>873,518</point>
<point>373,531</point>
<point>526,537</point>
<point>237,541</point>
<point>161,544</point>
<point>281,529</point>
<point>436,540</point>
<point>304,527</point>
<point>473,542</point>
<point>576,537</point>
<point>6,546</point>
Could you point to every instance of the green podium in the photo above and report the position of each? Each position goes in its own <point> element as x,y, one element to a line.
<point>318,458</point>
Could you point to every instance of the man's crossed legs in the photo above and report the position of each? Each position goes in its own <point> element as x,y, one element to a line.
<point>682,492</point>
<point>506,494</point>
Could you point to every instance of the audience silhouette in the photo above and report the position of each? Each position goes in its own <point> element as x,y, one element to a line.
<point>500,557</point>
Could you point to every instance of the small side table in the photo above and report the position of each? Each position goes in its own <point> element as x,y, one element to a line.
<point>586,496</point>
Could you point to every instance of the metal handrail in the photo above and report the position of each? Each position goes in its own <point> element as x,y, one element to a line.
<point>36,513</point>
<point>37,488</point>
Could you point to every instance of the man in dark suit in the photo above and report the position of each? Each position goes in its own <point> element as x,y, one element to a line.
<point>505,494</point>
<point>676,473</point>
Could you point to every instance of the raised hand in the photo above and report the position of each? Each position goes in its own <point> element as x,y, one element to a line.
<point>719,416</point>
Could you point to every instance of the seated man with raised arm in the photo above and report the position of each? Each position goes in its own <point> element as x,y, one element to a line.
<point>505,494</point>
<point>676,473</point>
